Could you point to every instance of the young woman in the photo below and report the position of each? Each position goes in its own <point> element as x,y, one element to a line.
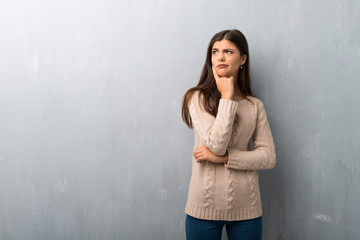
<point>225,117</point>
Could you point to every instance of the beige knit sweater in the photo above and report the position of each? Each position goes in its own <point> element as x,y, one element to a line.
<point>229,191</point>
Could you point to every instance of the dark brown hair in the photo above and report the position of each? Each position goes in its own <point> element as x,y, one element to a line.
<point>207,84</point>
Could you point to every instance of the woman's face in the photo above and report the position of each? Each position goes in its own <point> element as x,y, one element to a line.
<point>226,58</point>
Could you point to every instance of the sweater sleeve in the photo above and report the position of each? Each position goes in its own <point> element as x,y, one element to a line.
<point>214,132</point>
<point>263,156</point>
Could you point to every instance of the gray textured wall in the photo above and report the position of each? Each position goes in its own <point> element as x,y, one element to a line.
<point>92,145</point>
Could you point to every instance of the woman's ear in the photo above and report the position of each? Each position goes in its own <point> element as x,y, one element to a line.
<point>243,59</point>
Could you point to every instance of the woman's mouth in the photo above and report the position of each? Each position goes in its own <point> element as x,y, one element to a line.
<point>222,65</point>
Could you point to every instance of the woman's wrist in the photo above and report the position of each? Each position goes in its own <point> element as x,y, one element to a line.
<point>230,97</point>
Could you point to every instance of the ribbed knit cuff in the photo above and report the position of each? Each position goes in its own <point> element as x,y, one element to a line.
<point>232,163</point>
<point>227,105</point>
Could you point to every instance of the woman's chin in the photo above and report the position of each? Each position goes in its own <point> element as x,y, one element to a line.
<point>223,74</point>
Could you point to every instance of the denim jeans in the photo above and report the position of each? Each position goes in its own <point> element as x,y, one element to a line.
<point>199,229</point>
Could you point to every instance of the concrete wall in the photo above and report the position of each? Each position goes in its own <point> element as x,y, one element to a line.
<point>92,145</point>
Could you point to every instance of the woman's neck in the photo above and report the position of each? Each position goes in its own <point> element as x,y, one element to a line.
<point>237,93</point>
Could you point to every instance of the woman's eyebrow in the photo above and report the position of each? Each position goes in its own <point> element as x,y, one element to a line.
<point>226,49</point>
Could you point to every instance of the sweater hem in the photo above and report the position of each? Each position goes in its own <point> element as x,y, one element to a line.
<point>223,214</point>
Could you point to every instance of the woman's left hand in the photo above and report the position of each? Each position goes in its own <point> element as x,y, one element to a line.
<point>203,153</point>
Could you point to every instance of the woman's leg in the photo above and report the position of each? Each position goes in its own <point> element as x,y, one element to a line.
<point>245,230</point>
<point>199,229</point>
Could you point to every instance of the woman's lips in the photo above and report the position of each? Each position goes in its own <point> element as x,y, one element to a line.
<point>222,65</point>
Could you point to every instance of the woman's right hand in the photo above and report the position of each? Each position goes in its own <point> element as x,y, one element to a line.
<point>203,153</point>
<point>225,85</point>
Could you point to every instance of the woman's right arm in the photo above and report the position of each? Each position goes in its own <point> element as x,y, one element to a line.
<point>214,132</point>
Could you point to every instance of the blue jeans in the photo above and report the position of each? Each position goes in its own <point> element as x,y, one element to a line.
<point>199,229</point>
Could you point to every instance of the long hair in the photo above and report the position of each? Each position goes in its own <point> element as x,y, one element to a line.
<point>207,83</point>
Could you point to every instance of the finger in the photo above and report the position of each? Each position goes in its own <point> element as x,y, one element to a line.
<point>196,151</point>
<point>196,156</point>
<point>216,76</point>
<point>199,158</point>
<point>199,152</point>
<point>202,156</point>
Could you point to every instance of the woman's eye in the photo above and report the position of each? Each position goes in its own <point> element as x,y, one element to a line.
<point>228,52</point>
<point>214,52</point>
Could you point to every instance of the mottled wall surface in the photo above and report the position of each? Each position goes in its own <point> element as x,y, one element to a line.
<point>92,145</point>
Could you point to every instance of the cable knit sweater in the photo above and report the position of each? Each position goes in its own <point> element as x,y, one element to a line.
<point>229,191</point>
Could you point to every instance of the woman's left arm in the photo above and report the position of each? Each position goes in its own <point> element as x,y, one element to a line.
<point>263,156</point>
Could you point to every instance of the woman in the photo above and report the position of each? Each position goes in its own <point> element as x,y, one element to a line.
<point>225,116</point>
